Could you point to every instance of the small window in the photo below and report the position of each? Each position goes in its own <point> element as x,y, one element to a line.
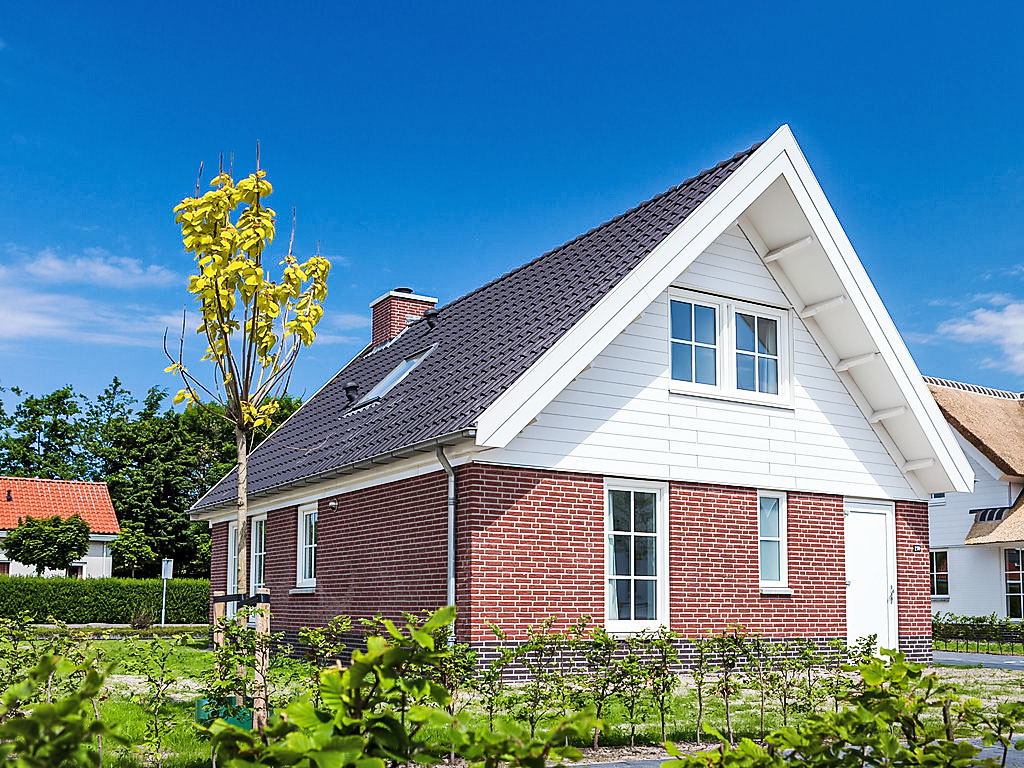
<point>5,569</point>
<point>694,329</point>
<point>771,535</point>
<point>1012,573</point>
<point>306,576</point>
<point>258,547</point>
<point>940,574</point>
<point>390,381</point>
<point>757,353</point>
<point>635,559</point>
<point>937,498</point>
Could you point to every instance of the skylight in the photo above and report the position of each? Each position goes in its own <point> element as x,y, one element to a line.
<point>389,382</point>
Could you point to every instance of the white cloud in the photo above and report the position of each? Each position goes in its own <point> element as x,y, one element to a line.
<point>1001,325</point>
<point>94,266</point>
<point>347,321</point>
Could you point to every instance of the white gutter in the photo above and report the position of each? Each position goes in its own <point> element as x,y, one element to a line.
<point>439,452</point>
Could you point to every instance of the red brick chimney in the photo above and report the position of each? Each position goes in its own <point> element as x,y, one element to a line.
<point>395,310</point>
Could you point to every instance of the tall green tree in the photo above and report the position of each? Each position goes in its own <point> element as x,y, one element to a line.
<point>254,327</point>
<point>43,436</point>
<point>49,542</point>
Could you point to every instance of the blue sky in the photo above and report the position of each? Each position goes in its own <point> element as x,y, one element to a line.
<point>439,145</point>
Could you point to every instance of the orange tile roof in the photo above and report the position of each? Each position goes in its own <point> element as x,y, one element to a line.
<point>36,497</point>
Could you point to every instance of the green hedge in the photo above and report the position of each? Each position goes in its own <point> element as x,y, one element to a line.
<point>106,601</point>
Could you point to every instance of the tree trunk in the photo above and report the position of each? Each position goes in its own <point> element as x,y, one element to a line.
<point>242,502</point>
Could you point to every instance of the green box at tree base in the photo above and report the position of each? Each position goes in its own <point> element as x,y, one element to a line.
<point>208,710</point>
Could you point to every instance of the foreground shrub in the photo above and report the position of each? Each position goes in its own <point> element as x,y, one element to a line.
<point>103,601</point>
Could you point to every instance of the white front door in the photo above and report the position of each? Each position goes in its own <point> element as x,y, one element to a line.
<point>871,572</point>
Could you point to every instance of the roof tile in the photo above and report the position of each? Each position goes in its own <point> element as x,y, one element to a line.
<point>39,498</point>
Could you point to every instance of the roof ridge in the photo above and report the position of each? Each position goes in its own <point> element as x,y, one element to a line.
<point>975,388</point>
<point>52,480</point>
<point>599,227</point>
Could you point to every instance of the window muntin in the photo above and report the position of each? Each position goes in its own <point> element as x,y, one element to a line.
<point>258,548</point>
<point>694,331</point>
<point>390,381</point>
<point>307,538</point>
<point>939,561</point>
<point>1012,559</point>
<point>636,557</point>
<point>729,348</point>
<point>771,539</point>
<point>757,353</point>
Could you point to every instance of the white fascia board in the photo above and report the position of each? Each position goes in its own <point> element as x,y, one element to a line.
<point>778,156</point>
<point>567,358</point>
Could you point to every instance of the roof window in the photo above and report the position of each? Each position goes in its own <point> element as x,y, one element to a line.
<point>390,381</point>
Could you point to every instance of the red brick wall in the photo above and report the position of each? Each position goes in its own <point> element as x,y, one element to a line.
<point>529,547</point>
<point>913,585</point>
<point>714,579</point>
<point>391,315</point>
<point>382,549</point>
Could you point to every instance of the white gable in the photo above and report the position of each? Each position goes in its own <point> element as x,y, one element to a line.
<point>785,215</point>
<point>619,417</point>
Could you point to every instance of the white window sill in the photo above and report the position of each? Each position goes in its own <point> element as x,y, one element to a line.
<point>785,591</point>
<point>675,389</point>
<point>310,590</point>
<point>627,628</point>
<point>940,598</point>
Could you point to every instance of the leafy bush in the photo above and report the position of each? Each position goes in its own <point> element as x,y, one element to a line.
<point>108,601</point>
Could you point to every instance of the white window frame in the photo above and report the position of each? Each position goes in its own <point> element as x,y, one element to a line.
<point>305,510</point>
<point>618,626</point>
<point>931,573</point>
<point>783,582</point>
<point>231,580</point>
<point>1006,592</point>
<point>726,309</point>
<point>936,499</point>
<point>253,521</point>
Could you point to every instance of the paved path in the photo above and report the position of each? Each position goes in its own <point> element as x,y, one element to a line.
<point>991,660</point>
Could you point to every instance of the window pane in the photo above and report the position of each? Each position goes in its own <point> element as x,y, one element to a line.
<point>1012,560</point>
<point>681,328</point>
<point>644,557</point>
<point>1013,607</point>
<point>941,563</point>
<point>942,584</point>
<point>767,336</point>
<point>1013,587</point>
<point>745,373</point>
<point>704,324</point>
<point>620,555</point>
<point>620,510</point>
<point>643,512</point>
<point>769,517</point>
<point>643,608</point>
<point>771,569</point>
<point>704,364</point>
<point>744,332</point>
<point>620,607</point>
<point>682,362</point>
<point>768,375</point>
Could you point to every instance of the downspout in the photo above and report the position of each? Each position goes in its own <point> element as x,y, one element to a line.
<point>439,451</point>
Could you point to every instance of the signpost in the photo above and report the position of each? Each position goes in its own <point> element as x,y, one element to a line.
<point>166,573</point>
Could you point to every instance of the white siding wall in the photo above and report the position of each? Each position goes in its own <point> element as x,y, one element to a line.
<point>97,562</point>
<point>618,417</point>
<point>975,571</point>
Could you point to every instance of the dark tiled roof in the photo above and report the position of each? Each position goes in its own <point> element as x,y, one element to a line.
<point>484,342</point>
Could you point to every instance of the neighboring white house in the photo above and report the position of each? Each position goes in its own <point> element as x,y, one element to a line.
<point>977,539</point>
<point>22,497</point>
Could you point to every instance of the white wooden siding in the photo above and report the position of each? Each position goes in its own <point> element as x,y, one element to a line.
<point>975,571</point>
<point>618,416</point>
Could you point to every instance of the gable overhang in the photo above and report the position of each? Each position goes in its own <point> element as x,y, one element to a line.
<point>779,205</point>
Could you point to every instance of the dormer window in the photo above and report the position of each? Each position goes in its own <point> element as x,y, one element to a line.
<point>390,381</point>
<point>728,348</point>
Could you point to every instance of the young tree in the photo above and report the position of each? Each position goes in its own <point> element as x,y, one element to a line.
<point>131,550</point>
<point>254,327</point>
<point>49,542</point>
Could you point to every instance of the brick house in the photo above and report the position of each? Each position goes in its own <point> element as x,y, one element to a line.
<point>37,497</point>
<point>698,413</point>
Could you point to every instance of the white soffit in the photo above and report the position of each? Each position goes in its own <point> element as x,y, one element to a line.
<point>778,203</point>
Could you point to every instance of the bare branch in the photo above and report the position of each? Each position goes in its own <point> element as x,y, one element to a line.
<point>199,178</point>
